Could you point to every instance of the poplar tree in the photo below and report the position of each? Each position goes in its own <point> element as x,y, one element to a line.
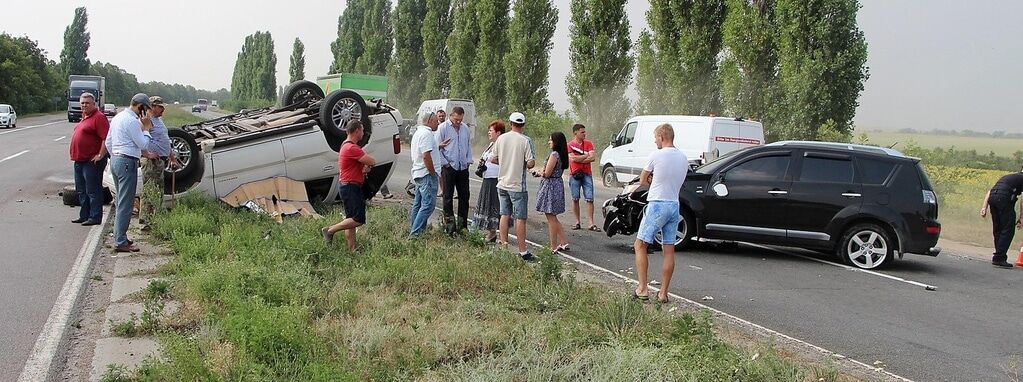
<point>74,58</point>
<point>749,68</point>
<point>376,38</point>
<point>407,66</point>
<point>528,61</point>
<point>435,30</point>
<point>461,48</point>
<point>601,63</point>
<point>822,55</point>
<point>348,46</point>
<point>297,69</point>
<point>488,66</point>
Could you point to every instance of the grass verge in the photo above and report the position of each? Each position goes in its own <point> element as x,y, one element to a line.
<point>174,116</point>
<point>267,301</point>
<point>960,195</point>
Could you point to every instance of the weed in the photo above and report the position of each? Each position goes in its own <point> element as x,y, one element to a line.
<point>97,278</point>
<point>157,289</point>
<point>125,328</point>
<point>117,373</point>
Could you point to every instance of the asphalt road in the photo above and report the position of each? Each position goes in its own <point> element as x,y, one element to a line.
<point>967,329</point>
<point>38,243</point>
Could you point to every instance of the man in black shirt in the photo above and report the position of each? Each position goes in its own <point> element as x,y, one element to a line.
<point>1002,200</point>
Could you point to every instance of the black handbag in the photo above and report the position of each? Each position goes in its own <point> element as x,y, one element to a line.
<point>579,175</point>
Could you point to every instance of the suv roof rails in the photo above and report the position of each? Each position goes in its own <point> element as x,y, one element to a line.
<point>847,146</point>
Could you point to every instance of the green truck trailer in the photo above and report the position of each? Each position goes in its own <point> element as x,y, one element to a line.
<point>368,86</point>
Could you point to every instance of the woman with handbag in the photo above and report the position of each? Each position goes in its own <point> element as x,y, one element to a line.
<point>550,198</point>
<point>488,215</point>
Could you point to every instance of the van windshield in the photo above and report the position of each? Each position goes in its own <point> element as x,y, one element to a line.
<point>713,166</point>
<point>5,109</point>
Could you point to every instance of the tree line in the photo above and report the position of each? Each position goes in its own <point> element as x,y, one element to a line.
<point>33,83</point>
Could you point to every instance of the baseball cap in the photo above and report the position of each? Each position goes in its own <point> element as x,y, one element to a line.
<point>157,101</point>
<point>141,98</point>
<point>518,118</point>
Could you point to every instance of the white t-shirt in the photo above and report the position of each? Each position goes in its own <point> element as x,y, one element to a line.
<point>493,170</point>
<point>423,141</point>
<point>669,167</point>
<point>513,150</point>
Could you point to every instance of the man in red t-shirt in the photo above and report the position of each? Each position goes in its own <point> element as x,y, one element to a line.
<point>354,164</point>
<point>90,157</point>
<point>580,156</point>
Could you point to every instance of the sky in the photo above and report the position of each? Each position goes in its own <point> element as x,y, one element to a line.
<point>934,64</point>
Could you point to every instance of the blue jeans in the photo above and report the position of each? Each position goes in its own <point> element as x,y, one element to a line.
<point>126,177</point>
<point>423,204</point>
<point>660,217</point>
<point>586,185</point>
<point>89,185</point>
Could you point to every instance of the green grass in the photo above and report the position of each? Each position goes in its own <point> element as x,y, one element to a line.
<point>1000,146</point>
<point>175,116</point>
<point>960,195</point>
<point>266,301</point>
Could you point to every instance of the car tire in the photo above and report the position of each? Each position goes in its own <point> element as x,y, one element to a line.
<point>686,229</point>
<point>189,157</point>
<point>300,92</point>
<point>69,196</point>
<point>866,246</point>
<point>338,108</point>
<point>608,177</point>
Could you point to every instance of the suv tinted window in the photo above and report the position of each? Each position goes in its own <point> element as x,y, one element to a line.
<point>875,171</point>
<point>762,168</point>
<point>830,170</point>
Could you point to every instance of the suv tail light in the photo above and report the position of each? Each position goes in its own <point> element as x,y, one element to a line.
<point>930,197</point>
<point>934,230</point>
<point>396,140</point>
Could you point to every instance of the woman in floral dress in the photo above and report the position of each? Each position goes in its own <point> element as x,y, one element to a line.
<point>551,197</point>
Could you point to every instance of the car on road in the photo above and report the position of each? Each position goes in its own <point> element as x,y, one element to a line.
<point>8,117</point>
<point>700,138</point>
<point>300,141</point>
<point>865,204</point>
<point>196,108</point>
<point>109,109</point>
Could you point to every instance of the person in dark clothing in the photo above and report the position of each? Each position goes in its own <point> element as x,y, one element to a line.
<point>1002,200</point>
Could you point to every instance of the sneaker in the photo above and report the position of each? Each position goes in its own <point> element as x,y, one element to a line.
<point>388,196</point>
<point>328,237</point>
<point>528,257</point>
<point>1001,264</point>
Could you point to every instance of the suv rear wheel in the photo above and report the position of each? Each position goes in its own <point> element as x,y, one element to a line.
<point>866,246</point>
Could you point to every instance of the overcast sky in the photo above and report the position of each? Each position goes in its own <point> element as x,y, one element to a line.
<point>933,63</point>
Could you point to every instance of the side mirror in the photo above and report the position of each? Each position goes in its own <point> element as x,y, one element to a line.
<point>720,189</point>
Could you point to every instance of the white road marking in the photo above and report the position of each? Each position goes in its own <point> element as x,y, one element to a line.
<point>31,127</point>
<point>58,139</point>
<point>13,156</point>
<point>40,362</point>
<point>867,271</point>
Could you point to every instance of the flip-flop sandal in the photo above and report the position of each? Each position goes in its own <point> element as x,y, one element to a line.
<point>594,228</point>
<point>638,297</point>
<point>577,227</point>
<point>664,301</point>
<point>562,248</point>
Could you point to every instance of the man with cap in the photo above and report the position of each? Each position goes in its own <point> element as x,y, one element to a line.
<point>126,140</point>
<point>514,152</point>
<point>153,164</point>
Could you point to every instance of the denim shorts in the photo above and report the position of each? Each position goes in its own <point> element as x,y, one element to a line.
<point>659,216</point>
<point>514,203</point>
<point>586,185</point>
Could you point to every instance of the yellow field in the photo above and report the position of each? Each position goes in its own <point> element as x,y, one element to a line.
<point>960,195</point>
<point>1001,146</point>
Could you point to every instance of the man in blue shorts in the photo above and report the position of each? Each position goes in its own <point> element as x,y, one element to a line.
<point>664,174</point>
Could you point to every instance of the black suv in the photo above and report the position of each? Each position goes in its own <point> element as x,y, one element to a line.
<point>866,204</point>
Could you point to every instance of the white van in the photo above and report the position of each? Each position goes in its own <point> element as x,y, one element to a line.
<point>432,105</point>
<point>701,139</point>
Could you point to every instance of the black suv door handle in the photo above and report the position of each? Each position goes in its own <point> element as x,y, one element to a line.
<point>851,194</point>
<point>777,192</point>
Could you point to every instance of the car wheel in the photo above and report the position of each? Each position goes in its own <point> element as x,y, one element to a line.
<point>686,229</point>
<point>340,107</point>
<point>189,156</point>
<point>866,246</point>
<point>69,196</point>
<point>608,177</point>
<point>300,92</point>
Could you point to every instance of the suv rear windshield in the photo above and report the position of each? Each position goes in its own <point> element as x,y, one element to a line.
<point>925,182</point>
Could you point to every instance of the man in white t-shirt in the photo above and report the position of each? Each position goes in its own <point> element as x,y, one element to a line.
<point>665,174</point>
<point>425,171</point>
<point>514,152</point>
